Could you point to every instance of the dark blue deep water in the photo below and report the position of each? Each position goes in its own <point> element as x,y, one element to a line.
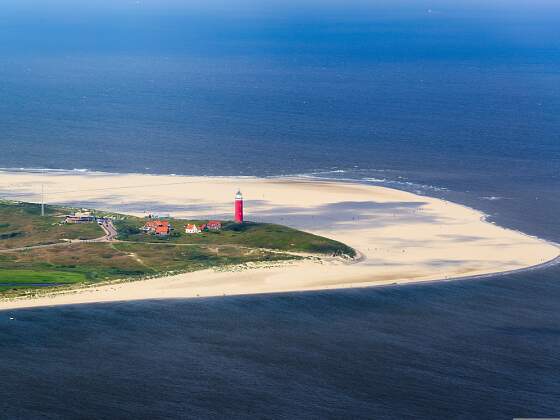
<point>459,99</point>
<point>479,349</point>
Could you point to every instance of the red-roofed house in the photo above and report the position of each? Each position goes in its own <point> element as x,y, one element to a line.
<point>157,227</point>
<point>214,225</point>
<point>162,230</point>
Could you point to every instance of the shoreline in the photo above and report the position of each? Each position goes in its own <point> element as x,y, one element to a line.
<point>402,237</point>
<point>27,301</point>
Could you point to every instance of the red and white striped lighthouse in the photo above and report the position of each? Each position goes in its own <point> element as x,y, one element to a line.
<point>238,207</point>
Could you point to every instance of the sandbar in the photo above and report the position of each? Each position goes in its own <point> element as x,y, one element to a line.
<point>400,237</point>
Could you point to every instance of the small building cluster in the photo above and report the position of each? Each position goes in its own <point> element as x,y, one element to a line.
<point>212,225</point>
<point>157,227</point>
<point>81,217</point>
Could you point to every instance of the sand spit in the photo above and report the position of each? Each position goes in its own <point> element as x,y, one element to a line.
<point>402,237</point>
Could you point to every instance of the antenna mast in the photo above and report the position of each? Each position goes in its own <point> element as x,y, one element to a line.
<point>42,200</point>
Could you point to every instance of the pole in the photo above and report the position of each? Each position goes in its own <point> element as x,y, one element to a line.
<point>43,200</point>
<point>43,194</point>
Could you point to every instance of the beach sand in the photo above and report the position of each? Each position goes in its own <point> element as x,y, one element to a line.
<point>401,237</point>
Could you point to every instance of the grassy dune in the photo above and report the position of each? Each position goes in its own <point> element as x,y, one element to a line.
<point>254,235</point>
<point>136,254</point>
<point>21,225</point>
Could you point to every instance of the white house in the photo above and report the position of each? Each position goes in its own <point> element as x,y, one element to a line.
<point>192,229</point>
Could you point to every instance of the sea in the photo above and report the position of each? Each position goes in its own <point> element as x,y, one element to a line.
<point>451,99</point>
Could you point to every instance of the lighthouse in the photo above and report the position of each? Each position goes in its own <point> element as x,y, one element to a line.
<point>238,207</point>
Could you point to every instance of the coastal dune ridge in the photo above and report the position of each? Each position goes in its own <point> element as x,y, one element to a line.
<point>400,237</point>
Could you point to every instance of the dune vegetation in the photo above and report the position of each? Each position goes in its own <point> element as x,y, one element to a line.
<point>41,252</point>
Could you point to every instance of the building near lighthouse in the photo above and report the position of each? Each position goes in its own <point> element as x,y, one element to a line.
<point>238,207</point>
<point>214,225</point>
<point>157,227</point>
<point>192,228</point>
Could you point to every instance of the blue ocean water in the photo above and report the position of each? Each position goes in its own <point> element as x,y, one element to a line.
<point>452,99</point>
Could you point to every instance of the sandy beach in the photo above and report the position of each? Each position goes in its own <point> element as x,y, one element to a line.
<point>401,237</point>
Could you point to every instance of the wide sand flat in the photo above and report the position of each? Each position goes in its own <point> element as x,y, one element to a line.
<point>402,237</point>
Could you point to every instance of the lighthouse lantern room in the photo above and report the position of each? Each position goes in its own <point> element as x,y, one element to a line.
<point>238,207</point>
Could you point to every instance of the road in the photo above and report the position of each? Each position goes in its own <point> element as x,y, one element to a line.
<point>110,232</point>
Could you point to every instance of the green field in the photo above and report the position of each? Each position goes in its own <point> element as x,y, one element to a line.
<point>38,277</point>
<point>135,254</point>
<point>20,280</point>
